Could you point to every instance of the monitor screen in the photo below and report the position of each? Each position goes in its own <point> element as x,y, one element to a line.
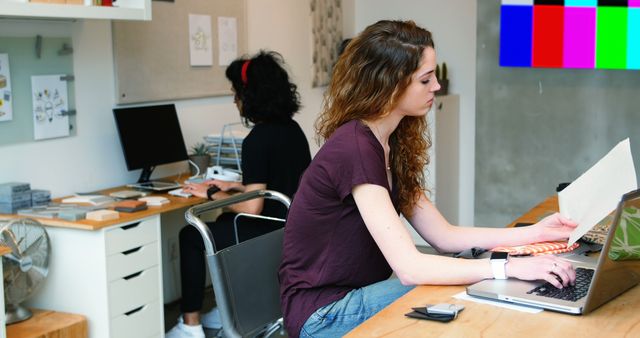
<point>150,136</point>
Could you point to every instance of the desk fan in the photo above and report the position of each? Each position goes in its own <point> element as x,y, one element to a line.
<point>26,267</point>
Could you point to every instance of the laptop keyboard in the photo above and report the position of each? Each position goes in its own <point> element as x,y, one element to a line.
<point>570,293</point>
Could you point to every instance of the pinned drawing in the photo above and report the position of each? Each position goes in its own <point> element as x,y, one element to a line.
<point>50,104</point>
<point>6,111</point>
<point>227,40</point>
<point>200,46</point>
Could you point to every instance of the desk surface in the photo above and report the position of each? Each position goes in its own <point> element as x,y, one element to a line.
<point>85,224</point>
<point>49,324</point>
<point>617,318</point>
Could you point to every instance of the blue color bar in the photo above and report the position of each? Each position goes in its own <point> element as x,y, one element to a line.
<point>516,26</point>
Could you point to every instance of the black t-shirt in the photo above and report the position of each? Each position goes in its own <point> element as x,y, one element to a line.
<point>275,154</point>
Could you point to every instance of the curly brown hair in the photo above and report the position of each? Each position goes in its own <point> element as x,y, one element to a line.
<point>368,80</point>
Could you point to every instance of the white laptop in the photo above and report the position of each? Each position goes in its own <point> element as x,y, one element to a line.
<point>615,271</point>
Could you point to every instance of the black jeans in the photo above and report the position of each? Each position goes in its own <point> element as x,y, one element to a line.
<point>192,259</point>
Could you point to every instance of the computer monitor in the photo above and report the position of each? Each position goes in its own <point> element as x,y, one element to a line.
<point>150,136</point>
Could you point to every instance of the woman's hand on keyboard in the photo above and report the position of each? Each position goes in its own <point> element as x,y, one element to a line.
<point>555,270</point>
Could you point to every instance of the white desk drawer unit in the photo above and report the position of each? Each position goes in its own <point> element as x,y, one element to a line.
<point>138,323</point>
<point>112,275</point>
<point>134,278</point>
<point>130,236</point>
<point>133,291</point>
<point>128,262</point>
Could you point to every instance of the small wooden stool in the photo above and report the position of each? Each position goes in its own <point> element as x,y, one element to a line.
<point>49,324</point>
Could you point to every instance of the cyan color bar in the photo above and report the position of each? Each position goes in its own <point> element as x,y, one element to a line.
<point>515,35</point>
<point>579,37</point>
<point>633,38</point>
<point>581,3</point>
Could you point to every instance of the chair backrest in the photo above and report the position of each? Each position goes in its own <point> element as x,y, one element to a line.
<point>245,275</point>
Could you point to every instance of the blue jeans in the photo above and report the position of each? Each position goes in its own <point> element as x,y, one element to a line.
<point>342,316</point>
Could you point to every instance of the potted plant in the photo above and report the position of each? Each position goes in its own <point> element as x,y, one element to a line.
<point>200,158</point>
<point>443,79</point>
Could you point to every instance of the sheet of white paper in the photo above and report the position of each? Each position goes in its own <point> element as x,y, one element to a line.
<point>50,101</point>
<point>597,192</point>
<point>200,45</point>
<point>464,296</point>
<point>227,40</point>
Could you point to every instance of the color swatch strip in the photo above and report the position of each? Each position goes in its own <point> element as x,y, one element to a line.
<point>570,34</point>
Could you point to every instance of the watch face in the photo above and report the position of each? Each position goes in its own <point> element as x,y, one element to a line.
<point>499,255</point>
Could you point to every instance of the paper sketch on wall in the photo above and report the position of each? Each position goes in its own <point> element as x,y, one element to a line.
<point>6,111</point>
<point>200,45</point>
<point>326,24</point>
<point>50,102</point>
<point>227,40</point>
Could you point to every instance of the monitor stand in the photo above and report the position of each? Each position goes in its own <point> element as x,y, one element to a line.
<point>145,176</point>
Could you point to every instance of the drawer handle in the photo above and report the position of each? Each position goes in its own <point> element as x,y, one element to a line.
<point>134,310</point>
<point>133,275</point>
<point>129,226</point>
<point>128,252</point>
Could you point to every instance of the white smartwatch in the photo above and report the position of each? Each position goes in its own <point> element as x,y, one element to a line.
<point>499,264</point>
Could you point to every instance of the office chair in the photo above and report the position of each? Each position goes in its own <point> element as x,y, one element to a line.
<point>245,275</point>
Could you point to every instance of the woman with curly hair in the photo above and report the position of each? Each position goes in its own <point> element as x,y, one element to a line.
<point>344,235</point>
<point>274,155</point>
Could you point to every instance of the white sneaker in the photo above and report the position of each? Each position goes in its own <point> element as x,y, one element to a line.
<point>211,319</point>
<point>181,330</point>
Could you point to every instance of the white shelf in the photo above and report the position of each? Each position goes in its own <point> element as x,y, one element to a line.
<point>127,10</point>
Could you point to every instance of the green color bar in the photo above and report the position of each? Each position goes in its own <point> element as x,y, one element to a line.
<point>611,43</point>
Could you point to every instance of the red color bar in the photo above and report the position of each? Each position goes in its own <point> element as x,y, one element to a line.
<point>548,32</point>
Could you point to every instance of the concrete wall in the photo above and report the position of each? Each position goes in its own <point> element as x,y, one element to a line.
<point>538,127</point>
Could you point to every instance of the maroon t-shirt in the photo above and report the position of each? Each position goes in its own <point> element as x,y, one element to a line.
<point>328,250</point>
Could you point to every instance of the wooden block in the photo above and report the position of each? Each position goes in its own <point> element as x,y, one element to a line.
<point>40,1</point>
<point>49,324</point>
<point>75,2</point>
<point>155,200</point>
<point>102,215</point>
<point>130,204</point>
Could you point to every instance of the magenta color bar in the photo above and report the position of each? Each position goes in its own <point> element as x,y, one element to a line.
<point>579,37</point>
<point>634,3</point>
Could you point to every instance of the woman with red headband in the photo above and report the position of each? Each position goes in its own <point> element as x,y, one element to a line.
<point>274,156</point>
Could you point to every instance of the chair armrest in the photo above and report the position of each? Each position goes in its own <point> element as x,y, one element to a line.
<point>244,214</point>
<point>192,215</point>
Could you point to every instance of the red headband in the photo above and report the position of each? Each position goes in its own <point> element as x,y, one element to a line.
<point>243,73</point>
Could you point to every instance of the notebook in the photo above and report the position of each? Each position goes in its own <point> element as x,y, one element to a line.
<point>602,279</point>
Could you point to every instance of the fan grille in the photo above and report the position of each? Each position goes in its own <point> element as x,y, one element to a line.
<point>27,265</point>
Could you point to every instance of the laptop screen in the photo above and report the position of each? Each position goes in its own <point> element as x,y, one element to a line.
<point>619,263</point>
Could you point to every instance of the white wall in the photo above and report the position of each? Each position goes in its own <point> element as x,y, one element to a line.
<point>93,159</point>
<point>453,24</point>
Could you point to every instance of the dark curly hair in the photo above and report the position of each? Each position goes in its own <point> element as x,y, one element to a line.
<point>267,95</point>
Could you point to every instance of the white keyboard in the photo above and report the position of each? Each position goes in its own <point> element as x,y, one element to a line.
<point>180,193</point>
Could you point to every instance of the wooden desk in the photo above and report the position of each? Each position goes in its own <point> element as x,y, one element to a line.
<point>618,318</point>
<point>110,271</point>
<point>49,324</point>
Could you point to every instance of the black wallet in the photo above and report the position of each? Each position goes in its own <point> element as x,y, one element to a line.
<point>421,313</point>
